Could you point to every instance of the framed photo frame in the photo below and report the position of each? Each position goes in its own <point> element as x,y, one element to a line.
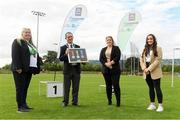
<point>77,55</point>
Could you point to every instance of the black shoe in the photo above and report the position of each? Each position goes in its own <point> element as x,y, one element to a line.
<point>118,102</point>
<point>110,103</point>
<point>64,104</point>
<point>117,105</point>
<point>74,104</point>
<point>22,109</point>
<point>29,108</point>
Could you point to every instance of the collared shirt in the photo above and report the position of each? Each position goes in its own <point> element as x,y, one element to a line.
<point>70,45</point>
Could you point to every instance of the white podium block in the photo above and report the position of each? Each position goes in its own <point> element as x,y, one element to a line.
<point>54,88</point>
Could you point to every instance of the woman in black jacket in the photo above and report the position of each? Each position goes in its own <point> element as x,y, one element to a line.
<point>109,58</point>
<point>25,62</point>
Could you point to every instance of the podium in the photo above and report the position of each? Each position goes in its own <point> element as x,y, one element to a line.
<point>53,88</point>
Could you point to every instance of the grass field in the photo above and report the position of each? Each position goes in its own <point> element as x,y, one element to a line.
<point>92,100</point>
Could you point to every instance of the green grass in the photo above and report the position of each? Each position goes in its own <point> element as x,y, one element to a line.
<point>92,100</point>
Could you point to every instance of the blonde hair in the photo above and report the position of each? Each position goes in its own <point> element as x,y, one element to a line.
<point>24,30</point>
<point>111,39</point>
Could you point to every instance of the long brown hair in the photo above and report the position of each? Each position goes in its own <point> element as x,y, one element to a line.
<point>147,47</point>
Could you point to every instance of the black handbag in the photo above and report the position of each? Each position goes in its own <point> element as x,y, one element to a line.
<point>34,70</point>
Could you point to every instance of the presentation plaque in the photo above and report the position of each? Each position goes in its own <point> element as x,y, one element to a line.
<point>77,55</point>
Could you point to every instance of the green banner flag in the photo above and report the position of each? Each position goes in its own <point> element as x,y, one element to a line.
<point>127,25</point>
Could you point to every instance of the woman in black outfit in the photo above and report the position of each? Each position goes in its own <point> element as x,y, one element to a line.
<point>109,58</point>
<point>25,62</point>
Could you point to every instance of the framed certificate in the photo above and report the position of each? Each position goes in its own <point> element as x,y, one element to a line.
<point>77,55</point>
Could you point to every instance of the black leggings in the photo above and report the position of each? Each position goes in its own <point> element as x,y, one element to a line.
<point>154,84</point>
<point>113,80</point>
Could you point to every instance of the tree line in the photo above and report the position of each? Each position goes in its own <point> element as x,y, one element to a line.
<point>130,65</point>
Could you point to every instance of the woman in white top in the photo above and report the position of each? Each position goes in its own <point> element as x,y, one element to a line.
<point>25,62</point>
<point>150,62</point>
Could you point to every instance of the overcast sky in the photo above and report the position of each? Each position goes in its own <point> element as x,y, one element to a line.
<point>160,17</point>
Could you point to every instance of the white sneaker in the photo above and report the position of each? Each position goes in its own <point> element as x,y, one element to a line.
<point>151,107</point>
<point>160,108</point>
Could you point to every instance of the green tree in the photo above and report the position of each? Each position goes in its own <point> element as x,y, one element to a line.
<point>7,67</point>
<point>132,63</point>
<point>51,57</point>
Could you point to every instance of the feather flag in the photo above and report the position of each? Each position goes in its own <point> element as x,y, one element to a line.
<point>127,25</point>
<point>73,20</point>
